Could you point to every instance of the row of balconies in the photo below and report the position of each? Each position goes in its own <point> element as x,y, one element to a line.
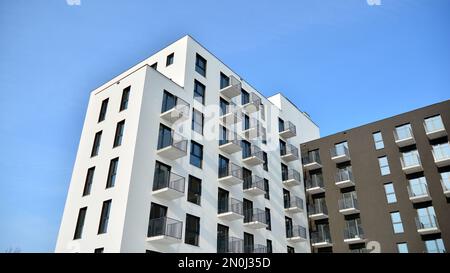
<point>404,136</point>
<point>229,244</point>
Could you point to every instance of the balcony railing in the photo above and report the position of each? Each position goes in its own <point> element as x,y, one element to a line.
<point>404,136</point>
<point>293,204</point>
<point>344,178</point>
<point>446,187</point>
<point>227,244</point>
<point>296,233</point>
<point>419,192</point>
<point>354,234</point>
<point>169,184</point>
<point>259,248</point>
<point>253,157</point>
<point>231,144</point>
<point>253,130</point>
<point>179,111</point>
<point>340,154</point>
<point>434,128</point>
<point>441,154</point>
<point>291,178</point>
<point>254,185</point>
<point>348,205</point>
<point>318,210</point>
<point>411,163</point>
<point>311,161</point>
<point>230,174</point>
<point>255,218</point>
<point>165,228</point>
<point>289,153</point>
<point>321,238</point>
<point>314,184</point>
<point>230,115</point>
<point>253,104</point>
<point>230,209</point>
<point>233,89</point>
<point>427,224</point>
<point>173,147</point>
<point>288,130</point>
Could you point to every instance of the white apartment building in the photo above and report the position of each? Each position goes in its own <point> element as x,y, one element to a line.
<point>179,154</point>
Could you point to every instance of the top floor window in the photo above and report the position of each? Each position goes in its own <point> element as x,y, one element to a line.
<point>200,65</point>
<point>125,97</point>
<point>433,124</point>
<point>378,140</point>
<point>170,59</point>
<point>224,80</point>
<point>103,109</point>
<point>403,132</point>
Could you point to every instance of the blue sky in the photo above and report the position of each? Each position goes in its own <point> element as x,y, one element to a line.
<point>344,62</point>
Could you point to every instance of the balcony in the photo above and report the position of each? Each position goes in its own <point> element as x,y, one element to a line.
<point>441,154</point>
<point>230,115</point>
<point>411,163</point>
<point>231,144</point>
<point>403,136</point>
<point>314,184</point>
<point>164,230</point>
<point>230,210</point>
<point>340,154</point>
<point>252,105</point>
<point>257,248</point>
<point>419,193</point>
<point>321,238</point>
<point>289,153</point>
<point>446,187</point>
<point>289,130</point>
<point>427,224</point>
<point>254,185</point>
<point>312,161</point>
<point>233,89</point>
<point>293,205</point>
<point>434,128</point>
<point>348,206</point>
<point>296,234</point>
<point>168,185</point>
<point>318,211</point>
<point>178,113</point>
<point>255,218</point>
<point>173,148</point>
<point>254,156</point>
<point>254,129</point>
<point>354,235</point>
<point>230,245</point>
<point>230,175</point>
<point>291,178</point>
<point>344,178</point>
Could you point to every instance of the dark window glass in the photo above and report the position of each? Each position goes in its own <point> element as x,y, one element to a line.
<point>197,121</point>
<point>269,246</point>
<point>192,230</point>
<point>125,97</point>
<point>289,227</point>
<point>223,135</point>
<point>223,106</point>
<point>280,125</point>
<point>266,163</point>
<point>99,250</point>
<point>290,249</point>
<point>196,157</point>
<point>284,172</point>
<point>169,101</point>
<point>80,223</point>
<point>96,145</point>
<point>248,210</point>
<point>200,65</point>
<point>247,178</point>
<point>268,221</point>
<point>194,190</point>
<point>112,173</point>
<point>286,198</point>
<point>222,238</point>
<point>245,97</point>
<point>119,133</point>
<point>282,147</point>
<point>103,110</point>
<point>162,176</point>
<point>165,136</point>
<point>170,59</point>
<point>249,244</point>
<point>199,92</point>
<point>104,218</point>
<point>157,211</point>
<point>222,201</point>
<point>246,148</point>
<point>223,166</point>
<point>266,188</point>
<point>154,66</point>
<point>224,80</point>
<point>88,181</point>
<point>246,123</point>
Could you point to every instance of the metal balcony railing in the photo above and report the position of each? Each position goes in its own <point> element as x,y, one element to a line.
<point>416,190</point>
<point>227,244</point>
<point>293,202</point>
<point>288,126</point>
<point>314,181</point>
<point>344,174</point>
<point>255,215</point>
<point>180,105</point>
<point>318,207</point>
<point>353,232</point>
<point>348,203</point>
<point>322,235</point>
<point>296,231</point>
<point>230,205</point>
<point>311,157</point>
<point>291,174</point>
<point>230,137</point>
<point>254,151</point>
<point>169,180</point>
<point>253,181</point>
<point>165,226</point>
<point>402,133</point>
<point>289,149</point>
<point>410,160</point>
<point>176,141</point>
<point>230,170</point>
<point>426,222</point>
<point>339,151</point>
<point>259,248</point>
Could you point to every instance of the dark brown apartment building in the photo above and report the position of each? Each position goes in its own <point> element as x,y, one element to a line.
<point>382,187</point>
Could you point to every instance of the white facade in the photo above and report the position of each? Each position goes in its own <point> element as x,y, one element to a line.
<point>128,222</point>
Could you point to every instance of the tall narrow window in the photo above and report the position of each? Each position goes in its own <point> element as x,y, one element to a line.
<point>169,101</point>
<point>103,109</point>
<point>197,121</point>
<point>266,189</point>
<point>249,243</point>
<point>435,246</point>
<point>165,136</point>
<point>269,246</point>
<point>378,140</point>
<point>384,165</point>
<point>199,92</point>
<point>170,58</point>
<point>88,181</point>
<point>196,157</point>
<point>282,147</point>
<point>224,80</point>
<point>222,239</point>
<point>245,97</point>
<point>224,107</point>
<point>280,125</point>
<point>125,97</point>
<point>192,232</point>
<point>397,222</point>
<point>104,217</point>
<point>194,190</point>
<point>200,65</point>
<point>390,193</point>
<point>161,177</point>
<point>402,247</point>
<point>246,149</point>
<point>80,223</point>
<point>246,122</point>
<point>96,145</point>
<point>268,221</point>
<point>119,133</point>
<point>266,163</point>
<point>112,173</point>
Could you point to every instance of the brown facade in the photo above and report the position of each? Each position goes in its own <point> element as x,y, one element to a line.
<point>373,209</point>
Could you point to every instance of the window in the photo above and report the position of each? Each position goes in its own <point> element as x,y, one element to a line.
<point>402,247</point>
<point>247,206</point>
<point>378,140</point>
<point>161,177</point>
<point>263,135</point>
<point>222,239</point>
<point>192,232</point>
<point>104,218</point>
<point>269,246</point>
<point>125,97</point>
<point>390,193</point>
<point>246,123</point>
<point>435,246</point>
<point>223,166</point>
<point>103,109</point>
<point>249,243</point>
<point>223,136</point>
<point>290,249</point>
<point>280,125</point>
<point>418,187</point>
<point>169,59</point>
<point>384,165</point>
<point>262,111</point>
<point>169,101</point>
<point>246,149</point>
<point>96,146</point>
<point>282,147</point>
<point>433,124</point>
<point>426,218</point>
<point>165,136</point>
<point>245,97</point>
<point>99,250</point>
<point>119,133</point>
<point>224,106</point>
<point>266,163</point>
<point>223,203</point>
<point>445,178</point>
<point>197,121</point>
<point>196,158</point>
<point>88,181</point>
<point>341,148</point>
<point>200,65</point>
<point>410,158</point>
<point>112,173</point>
<point>194,190</point>
<point>199,92</point>
<point>266,189</point>
<point>154,66</point>
<point>80,223</point>
<point>441,151</point>
<point>403,132</point>
<point>268,222</point>
<point>284,172</point>
<point>397,222</point>
<point>224,80</point>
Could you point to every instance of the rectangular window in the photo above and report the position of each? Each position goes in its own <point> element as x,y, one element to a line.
<point>433,124</point>
<point>426,218</point>
<point>269,246</point>
<point>200,65</point>
<point>199,92</point>
<point>169,101</point>
<point>96,145</point>
<point>284,172</point>
<point>435,246</point>
<point>224,106</point>
<point>290,249</point>
<point>280,125</point>
<point>402,247</point>
<point>104,217</point>
<point>403,132</point>
<point>119,133</point>
<point>249,243</point>
<point>88,181</point>
<point>112,173</point>
<point>246,149</point>
<point>170,58</point>
<point>384,165</point>
<point>103,109</point>
<point>223,136</point>
<point>268,221</point>
<point>197,121</point>
<point>378,140</point>
<point>246,122</point>
<point>390,193</point>
<point>397,222</point>
<point>445,178</point>
<point>192,232</point>
<point>222,239</point>
<point>165,136</point>
<point>125,97</point>
<point>196,157</point>
<point>161,178</point>
<point>266,163</point>
<point>282,147</point>
<point>99,250</point>
<point>266,189</point>
<point>80,223</point>
<point>194,190</point>
<point>441,151</point>
<point>224,80</point>
<point>223,166</point>
<point>245,97</point>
